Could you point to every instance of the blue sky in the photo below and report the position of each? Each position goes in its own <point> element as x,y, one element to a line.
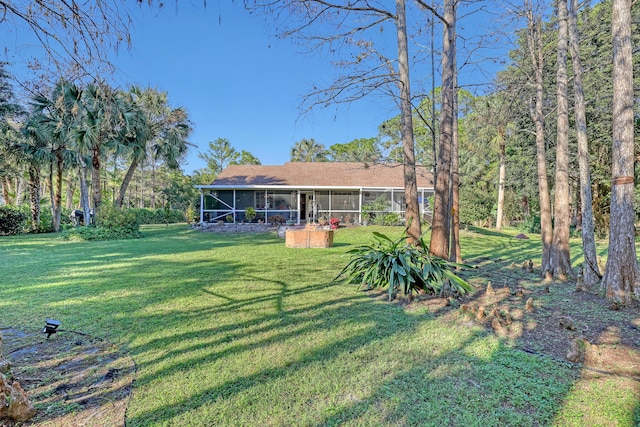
<point>239,82</point>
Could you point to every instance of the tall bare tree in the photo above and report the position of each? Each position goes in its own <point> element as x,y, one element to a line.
<point>76,36</point>
<point>414,229</point>
<point>591,272</point>
<point>367,67</point>
<point>621,275</point>
<point>560,256</point>
<point>440,227</point>
<point>454,246</point>
<point>536,52</point>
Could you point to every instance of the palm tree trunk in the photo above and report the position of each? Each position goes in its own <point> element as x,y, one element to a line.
<point>84,191</point>
<point>19,190</point>
<point>52,194</point>
<point>95,182</point>
<point>70,192</point>
<point>57,200</point>
<point>125,183</point>
<point>6,185</point>
<point>34,196</point>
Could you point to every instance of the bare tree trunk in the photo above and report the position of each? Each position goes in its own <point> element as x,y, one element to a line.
<point>560,257</point>
<point>414,230</point>
<point>34,196</point>
<point>591,272</point>
<point>502,178</point>
<point>620,279</point>
<point>439,245</point>
<point>434,142</point>
<point>454,247</point>
<point>537,114</point>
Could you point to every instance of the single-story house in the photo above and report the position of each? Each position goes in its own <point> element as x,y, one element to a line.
<point>300,192</point>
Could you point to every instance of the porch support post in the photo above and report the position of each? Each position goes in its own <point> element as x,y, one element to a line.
<point>201,206</point>
<point>360,207</point>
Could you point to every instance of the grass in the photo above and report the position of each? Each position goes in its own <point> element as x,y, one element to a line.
<point>239,330</point>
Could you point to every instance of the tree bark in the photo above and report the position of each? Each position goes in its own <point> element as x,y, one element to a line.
<point>537,114</point>
<point>125,183</point>
<point>414,229</point>
<point>70,192</point>
<point>620,279</point>
<point>84,191</point>
<point>34,196</point>
<point>19,197</point>
<point>502,178</point>
<point>153,183</point>
<point>95,182</point>
<point>454,247</point>
<point>6,186</point>
<point>591,272</point>
<point>560,256</point>
<point>57,191</point>
<point>440,228</point>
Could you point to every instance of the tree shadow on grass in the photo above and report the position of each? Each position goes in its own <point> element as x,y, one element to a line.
<point>438,380</point>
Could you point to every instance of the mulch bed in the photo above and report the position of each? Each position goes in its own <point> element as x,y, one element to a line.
<point>72,379</point>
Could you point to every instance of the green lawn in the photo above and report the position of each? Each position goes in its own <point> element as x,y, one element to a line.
<point>240,330</point>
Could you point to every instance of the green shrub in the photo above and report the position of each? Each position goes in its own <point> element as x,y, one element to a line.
<point>158,216</point>
<point>475,206</point>
<point>531,224</point>
<point>402,268</point>
<point>12,220</point>
<point>99,233</point>
<point>390,218</point>
<point>114,218</point>
<point>191,215</point>
<point>112,224</point>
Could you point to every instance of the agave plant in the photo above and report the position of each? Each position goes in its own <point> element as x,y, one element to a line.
<point>401,267</point>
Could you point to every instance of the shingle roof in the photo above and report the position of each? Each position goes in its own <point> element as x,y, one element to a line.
<point>321,174</point>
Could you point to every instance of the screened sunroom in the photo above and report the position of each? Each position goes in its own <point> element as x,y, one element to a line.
<point>287,193</point>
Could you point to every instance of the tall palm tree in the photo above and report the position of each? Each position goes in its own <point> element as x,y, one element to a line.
<point>107,122</point>
<point>308,150</point>
<point>160,133</point>
<point>51,126</point>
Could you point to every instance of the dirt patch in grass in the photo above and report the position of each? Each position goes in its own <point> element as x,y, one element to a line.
<point>545,317</point>
<point>542,317</point>
<point>72,379</point>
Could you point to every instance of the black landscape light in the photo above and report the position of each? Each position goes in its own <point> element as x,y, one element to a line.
<point>50,327</point>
